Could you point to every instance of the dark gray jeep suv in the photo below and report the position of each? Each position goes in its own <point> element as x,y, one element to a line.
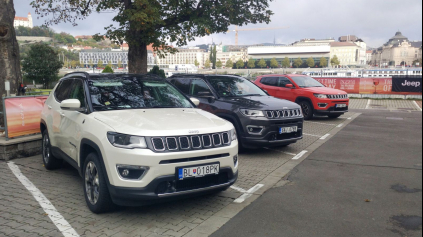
<point>260,120</point>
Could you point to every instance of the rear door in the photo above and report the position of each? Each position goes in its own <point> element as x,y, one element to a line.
<point>283,92</point>
<point>271,85</point>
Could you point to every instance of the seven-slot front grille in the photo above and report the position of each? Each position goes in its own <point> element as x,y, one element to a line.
<point>186,143</point>
<point>337,96</point>
<point>288,113</point>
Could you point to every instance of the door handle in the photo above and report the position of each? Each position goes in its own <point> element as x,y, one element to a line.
<point>62,114</point>
<point>49,107</point>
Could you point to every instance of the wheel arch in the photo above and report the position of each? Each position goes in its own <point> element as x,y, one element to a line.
<point>301,99</point>
<point>87,147</point>
<point>234,120</point>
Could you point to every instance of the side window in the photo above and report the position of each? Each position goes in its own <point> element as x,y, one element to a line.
<point>283,81</point>
<point>183,85</point>
<point>199,88</point>
<point>78,92</point>
<point>63,90</point>
<point>270,81</point>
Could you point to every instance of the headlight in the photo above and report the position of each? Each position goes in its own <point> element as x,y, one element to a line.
<point>321,96</point>
<point>252,113</point>
<point>126,141</point>
<point>233,134</point>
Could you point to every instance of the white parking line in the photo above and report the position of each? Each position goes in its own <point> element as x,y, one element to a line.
<point>340,125</point>
<point>417,105</point>
<point>301,154</point>
<point>238,189</point>
<point>325,136</point>
<point>329,124</point>
<point>368,104</point>
<point>311,135</point>
<point>288,153</point>
<point>249,193</point>
<point>51,211</point>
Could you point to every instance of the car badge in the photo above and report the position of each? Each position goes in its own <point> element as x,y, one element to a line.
<point>193,132</point>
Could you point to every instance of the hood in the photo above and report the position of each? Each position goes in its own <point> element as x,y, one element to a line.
<point>163,122</point>
<point>324,90</point>
<point>261,103</point>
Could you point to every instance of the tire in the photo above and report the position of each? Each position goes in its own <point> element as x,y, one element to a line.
<point>96,191</point>
<point>308,110</point>
<point>334,116</point>
<point>50,162</point>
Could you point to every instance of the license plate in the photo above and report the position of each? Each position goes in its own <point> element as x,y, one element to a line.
<point>288,130</point>
<point>341,106</point>
<point>198,171</point>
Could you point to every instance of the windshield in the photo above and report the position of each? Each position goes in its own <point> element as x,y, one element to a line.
<point>306,82</point>
<point>235,87</point>
<point>134,93</point>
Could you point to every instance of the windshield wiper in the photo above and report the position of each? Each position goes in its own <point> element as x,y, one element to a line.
<point>162,107</point>
<point>253,95</point>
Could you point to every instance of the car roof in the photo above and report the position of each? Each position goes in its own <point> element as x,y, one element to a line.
<point>102,76</point>
<point>283,75</point>
<point>202,75</point>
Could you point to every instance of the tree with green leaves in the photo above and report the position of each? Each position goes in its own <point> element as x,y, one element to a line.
<point>119,64</point>
<point>310,62</point>
<point>219,64</point>
<point>42,64</point>
<point>73,64</point>
<point>207,64</point>
<point>323,62</point>
<point>274,63</point>
<point>110,64</point>
<point>196,63</point>
<point>157,71</point>
<point>298,62</point>
<point>229,63</point>
<point>240,64</point>
<point>335,61</point>
<point>108,69</point>
<point>91,63</point>
<point>286,63</point>
<point>251,63</point>
<point>262,63</point>
<point>214,57</point>
<point>100,64</point>
<point>153,22</point>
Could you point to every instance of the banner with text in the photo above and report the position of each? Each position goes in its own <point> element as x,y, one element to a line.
<point>367,86</point>
<point>23,115</point>
<point>407,84</point>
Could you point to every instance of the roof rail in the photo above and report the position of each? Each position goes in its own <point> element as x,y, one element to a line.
<point>85,73</point>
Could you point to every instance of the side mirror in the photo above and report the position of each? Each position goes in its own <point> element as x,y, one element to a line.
<point>71,105</point>
<point>204,94</point>
<point>195,101</point>
<point>290,86</point>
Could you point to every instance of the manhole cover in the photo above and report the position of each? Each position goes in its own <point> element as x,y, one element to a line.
<point>394,118</point>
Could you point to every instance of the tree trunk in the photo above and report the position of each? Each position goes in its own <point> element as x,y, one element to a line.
<point>137,58</point>
<point>10,68</point>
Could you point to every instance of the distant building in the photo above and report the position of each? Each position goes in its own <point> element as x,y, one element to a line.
<point>23,21</point>
<point>348,38</point>
<point>351,54</point>
<point>399,50</point>
<point>369,56</point>
<point>86,57</point>
<point>184,56</point>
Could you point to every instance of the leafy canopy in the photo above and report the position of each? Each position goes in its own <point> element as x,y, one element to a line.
<point>108,69</point>
<point>274,63</point>
<point>310,62</point>
<point>240,64</point>
<point>262,63</point>
<point>219,64</point>
<point>41,64</point>
<point>251,63</point>
<point>157,71</point>
<point>158,22</point>
<point>323,62</point>
<point>229,64</point>
<point>298,62</point>
<point>335,61</point>
<point>286,63</point>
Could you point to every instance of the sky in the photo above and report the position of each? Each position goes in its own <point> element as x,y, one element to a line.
<point>375,21</point>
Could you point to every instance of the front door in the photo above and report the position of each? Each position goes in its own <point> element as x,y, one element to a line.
<point>62,93</point>
<point>73,121</point>
<point>284,92</point>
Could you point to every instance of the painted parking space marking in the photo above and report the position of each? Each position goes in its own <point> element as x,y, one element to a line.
<point>248,194</point>
<point>57,219</point>
<point>325,136</point>
<point>241,190</point>
<point>288,153</point>
<point>417,106</point>
<point>301,154</point>
<point>312,135</point>
<point>340,125</point>
<point>328,124</point>
<point>368,104</point>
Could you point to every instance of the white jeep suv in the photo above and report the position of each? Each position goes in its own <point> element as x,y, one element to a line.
<point>136,139</point>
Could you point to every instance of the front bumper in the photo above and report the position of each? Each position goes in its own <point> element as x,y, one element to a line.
<point>168,188</point>
<point>331,110</point>
<point>270,136</point>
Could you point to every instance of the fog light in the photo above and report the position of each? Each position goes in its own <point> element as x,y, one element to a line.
<point>321,105</point>
<point>255,130</point>
<point>235,160</point>
<point>131,172</point>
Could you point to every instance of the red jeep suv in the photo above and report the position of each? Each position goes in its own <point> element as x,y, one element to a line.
<point>313,97</point>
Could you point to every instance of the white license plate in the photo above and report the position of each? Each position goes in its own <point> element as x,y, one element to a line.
<point>198,171</point>
<point>341,106</point>
<point>288,130</point>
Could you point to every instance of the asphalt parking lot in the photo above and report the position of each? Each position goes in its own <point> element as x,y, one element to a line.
<point>260,170</point>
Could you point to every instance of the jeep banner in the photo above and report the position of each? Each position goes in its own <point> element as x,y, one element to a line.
<point>407,84</point>
<point>23,115</point>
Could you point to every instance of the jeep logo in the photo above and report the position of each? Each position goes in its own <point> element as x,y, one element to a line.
<point>193,132</point>
<point>409,83</point>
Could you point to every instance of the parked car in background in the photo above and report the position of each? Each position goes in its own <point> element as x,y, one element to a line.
<point>260,120</point>
<point>136,139</point>
<point>313,97</point>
